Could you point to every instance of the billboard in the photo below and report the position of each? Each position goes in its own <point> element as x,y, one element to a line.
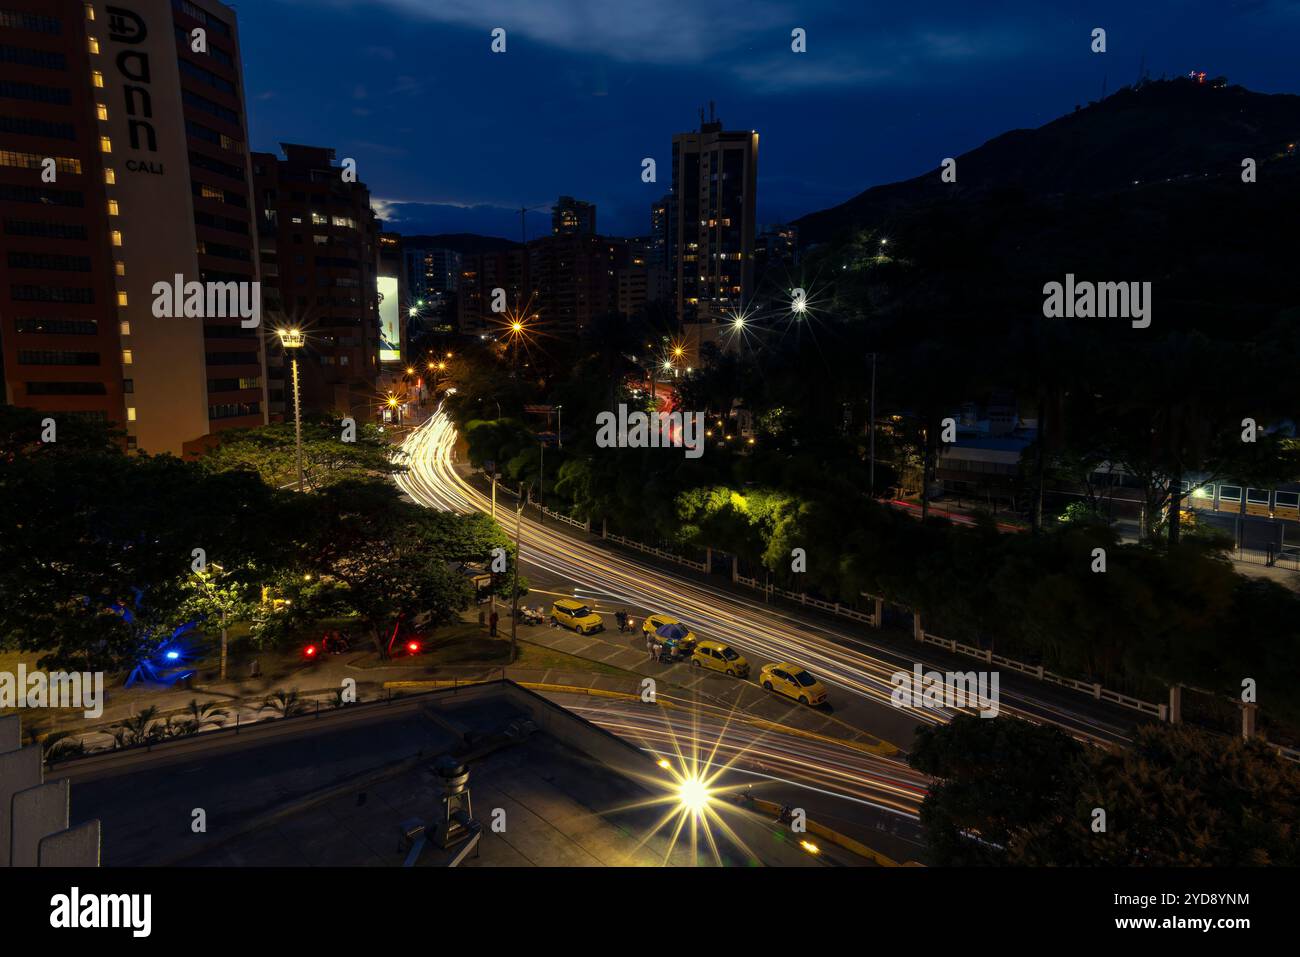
<point>390,330</point>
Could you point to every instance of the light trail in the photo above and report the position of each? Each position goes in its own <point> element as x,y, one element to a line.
<point>758,630</point>
<point>835,770</point>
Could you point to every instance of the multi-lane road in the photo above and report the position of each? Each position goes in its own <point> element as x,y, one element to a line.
<point>856,670</point>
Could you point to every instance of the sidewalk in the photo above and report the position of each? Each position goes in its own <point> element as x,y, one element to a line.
<point>627,651</point>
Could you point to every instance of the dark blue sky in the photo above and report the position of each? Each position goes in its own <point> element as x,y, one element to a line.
<point>451,137</point>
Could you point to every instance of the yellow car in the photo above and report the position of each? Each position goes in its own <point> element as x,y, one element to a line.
<point>719,657</point>
<point>574,614</point>
<point>653,623</point>
<point>793,682</point>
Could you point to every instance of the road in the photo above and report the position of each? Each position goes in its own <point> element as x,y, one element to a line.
<point>868,797</point>
<point>856,671</point>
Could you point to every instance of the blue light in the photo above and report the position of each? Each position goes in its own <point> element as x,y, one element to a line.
<point>173,655</point>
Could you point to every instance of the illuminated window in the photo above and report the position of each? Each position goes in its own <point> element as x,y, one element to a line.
<point>112,207</point>
<point>125,327</point>
<point>117,237</point>
<point>101,111</point>
<point>121,299</point>
<point>130,413</point>
<point>127,358</point>
<point>92,44</point>
<point>96,78</point>
<point>105,145</point>
<point>109,176</point>
<point>119,267</point>
<point>90,12</point>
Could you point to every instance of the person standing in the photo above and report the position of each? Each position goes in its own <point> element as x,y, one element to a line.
<point>492,624</point>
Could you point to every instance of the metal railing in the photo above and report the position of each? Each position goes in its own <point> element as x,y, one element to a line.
<point>833,607</point>
<point>657,552</point>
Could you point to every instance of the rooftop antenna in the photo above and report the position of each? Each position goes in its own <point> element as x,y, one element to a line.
<point>701,117</point>
<point>710,111</point>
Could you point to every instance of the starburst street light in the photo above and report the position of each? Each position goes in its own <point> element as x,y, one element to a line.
<point>293,338</point>
<point>799,302</point>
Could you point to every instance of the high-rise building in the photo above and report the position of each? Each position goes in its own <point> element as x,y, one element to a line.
<point>711,247</point>
<point>660,230</point>
<point>570,215</point>
<point>640,279</point>
<point>429,269</point>
<point>320,251</point>
<point>575,277</point>
<point>480,275</point>
<point>124,177</point>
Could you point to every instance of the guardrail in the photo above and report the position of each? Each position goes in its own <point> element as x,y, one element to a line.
<point>834,608</point>
<point>585,526</point>
<point>986,655</point>
<point>657,552</point>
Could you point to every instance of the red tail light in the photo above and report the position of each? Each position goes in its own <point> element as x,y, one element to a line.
<point>310,651</point>
<point>412,646</point>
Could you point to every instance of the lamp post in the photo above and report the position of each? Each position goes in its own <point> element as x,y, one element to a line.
<point>292,340</point>
<point>559,428</point>
<point>514,590</point>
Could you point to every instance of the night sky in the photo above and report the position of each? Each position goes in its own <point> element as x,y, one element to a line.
<point>451,137</point>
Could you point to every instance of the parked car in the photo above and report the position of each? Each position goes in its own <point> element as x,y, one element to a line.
<point>793,682</point>
<point>574,614</point>
<point>720,657</point>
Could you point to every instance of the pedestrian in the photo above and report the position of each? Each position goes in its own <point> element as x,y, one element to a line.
<point>650,645</point>
<point>492,624</point>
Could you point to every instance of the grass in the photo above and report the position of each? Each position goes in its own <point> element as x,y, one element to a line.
<point>465,645</point>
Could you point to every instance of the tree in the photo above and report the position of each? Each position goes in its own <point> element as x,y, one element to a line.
<point>270,451</point>
<point>1010,792</point>
<point>392,558</point>
<point>220,595</point>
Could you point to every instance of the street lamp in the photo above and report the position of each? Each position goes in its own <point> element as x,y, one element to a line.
<point>292,339</point>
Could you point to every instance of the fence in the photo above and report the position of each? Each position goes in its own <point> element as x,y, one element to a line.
<point>657,552</point>
<point>1160,711</point>
<point>585,526</point>
<point>1287,557</point>
<point>834,608</point>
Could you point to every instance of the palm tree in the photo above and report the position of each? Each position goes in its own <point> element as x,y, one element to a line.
<point>287,703</point>
<point>206,713</point>
<point>59,745</point>
<point>141,728</point>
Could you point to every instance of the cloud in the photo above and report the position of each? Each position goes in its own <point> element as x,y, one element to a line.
<point>636,31</point>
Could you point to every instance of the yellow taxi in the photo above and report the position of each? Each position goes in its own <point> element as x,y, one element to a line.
<point>793,682</point>
<point>719,657</point>
<point>572,613</point>
<point>653,623</point>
